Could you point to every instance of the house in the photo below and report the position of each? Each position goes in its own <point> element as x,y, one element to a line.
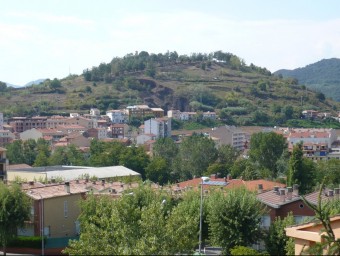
<point>139,111</point>
<point>230,135</point>
<point>160,127</point>
<point>55,210</point>
<point>209,115</point>
<point>143,138</point>
<point>97,133</point>
<point>120,116</point>
<point>281,201</point>
<point>157,112</point>
<point>77,139</point>
<point>310,113</point>
<point>6,137</point>
<point>174,114</point>
<point>119,131</point>
<point>3,164</point>
<point>95,112</point>
<point>308,234</point>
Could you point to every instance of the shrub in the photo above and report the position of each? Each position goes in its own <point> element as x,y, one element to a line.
<point>26,242</point>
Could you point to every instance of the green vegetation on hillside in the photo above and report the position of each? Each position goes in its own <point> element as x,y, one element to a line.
<point>322,76</point>
<point>240,94</point>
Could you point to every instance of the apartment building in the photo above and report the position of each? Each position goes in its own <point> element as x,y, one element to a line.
<point>160,127</point>
<point>21,124</point>
<point>230,135</point>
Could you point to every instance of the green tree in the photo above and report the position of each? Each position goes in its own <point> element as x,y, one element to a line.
<point>142,222</point>
<point>3,86</point>
<point>323,212</point>
<point>265,149</point>
<point>242,250</point>
<point>15,153</point>
<point>136,159</point>
<point>329,171</point>
<point>301,170</point>
<point>158,170</point>
<point>54,84</point>
<point>195,155</point>
<point>234,218</point>
<point>276,240</point>
<point>14,210</point>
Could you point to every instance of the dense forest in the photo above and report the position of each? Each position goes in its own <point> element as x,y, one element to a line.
<point>322,76</point>
<point>240,94</point>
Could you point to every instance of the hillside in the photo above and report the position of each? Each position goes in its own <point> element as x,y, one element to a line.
<point>221,82</point>
<point>323,76</point>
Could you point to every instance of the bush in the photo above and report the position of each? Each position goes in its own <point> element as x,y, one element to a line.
<point>26,242</point>
<point>242,250</point>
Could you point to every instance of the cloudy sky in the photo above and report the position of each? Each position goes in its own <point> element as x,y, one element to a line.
<point>52,38</point>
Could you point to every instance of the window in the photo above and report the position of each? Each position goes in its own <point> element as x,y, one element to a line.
<point>65,209</point>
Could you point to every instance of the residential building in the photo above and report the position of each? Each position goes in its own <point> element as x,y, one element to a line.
<point>6,137</point>
<point>143,138</point>
<point>308,234</point>
<point>209,115</point>
<point>120,116</point>
<point>95,112</point>
<point>281,201</point>
<point>316,143</point>
<point>186,116</point>
<point>175,114</point>
<point>118,131</point>
<point>157,112</point>
<point>1,121</point>
<point>21,124</point>
<point>230,135</point>
<point>97,133</point>
<point>160,127</point>
<point>310,114</point>
<point>3,164</point>
<point>139,111</point>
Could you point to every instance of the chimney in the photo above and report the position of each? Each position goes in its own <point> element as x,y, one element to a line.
<point>260,188</point>
<point>67,187</point>
<point>289,193</point>
<point>77,181</point>
<point>330,193</point>
<point>282,195</point>
<point>103,182</point>
<point>276,190</point>
<point>53,180</point>
<point>213,176</point>
<point>337,192</point>
<point>94,182</point>
<point>86,180</point>
<point>31,183</point>
<point>295,190</point>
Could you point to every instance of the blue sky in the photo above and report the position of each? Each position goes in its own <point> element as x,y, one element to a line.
<point>50,38</point>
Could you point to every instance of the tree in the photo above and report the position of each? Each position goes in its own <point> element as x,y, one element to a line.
<point>276,240</point>
<point>195,155</point>
<point>3,86</point>
<point>54,84</point>
<point>14,210</point>
<point>234,218</point>
<point>265,149</point>
<point>301,170</point>
<point>329,171</point>
<point>135,158</point>
<point>142,222</point>
<point>323,212</point>
<point>158,170</point>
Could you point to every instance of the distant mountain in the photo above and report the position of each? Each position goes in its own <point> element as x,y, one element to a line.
<point>38,81</point>
<point>323,76</point>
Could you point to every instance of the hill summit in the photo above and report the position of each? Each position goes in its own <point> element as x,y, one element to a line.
<point>323,76</point>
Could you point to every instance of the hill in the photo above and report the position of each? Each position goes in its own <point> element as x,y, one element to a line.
<point>241,94</point>
<point>323,76</point>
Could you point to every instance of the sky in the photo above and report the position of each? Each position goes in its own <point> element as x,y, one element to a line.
<point>54,38</point>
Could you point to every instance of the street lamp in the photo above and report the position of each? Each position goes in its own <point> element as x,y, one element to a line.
<point>203,179</point>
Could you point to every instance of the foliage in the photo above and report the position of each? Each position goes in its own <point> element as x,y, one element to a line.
<point>144,222</point>
<point>323,212</point>
<point>301,170</point>
<point>195,155</point>
<point>15,209</point>
<point>243,250</point>
<point>276,240</point>
<point>26,242</point>
<point>329,171</point>
<point>234,218</point>
<point>266,149</point>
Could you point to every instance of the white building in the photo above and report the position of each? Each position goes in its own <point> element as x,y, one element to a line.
<point>95,112</point>
<point>120,116</point>
<point>1,121</point>
<point>160,127</point>
<point>230,135</point>
<point>313,136</point>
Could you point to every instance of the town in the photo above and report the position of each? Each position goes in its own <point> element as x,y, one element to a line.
<point>54,190</point>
